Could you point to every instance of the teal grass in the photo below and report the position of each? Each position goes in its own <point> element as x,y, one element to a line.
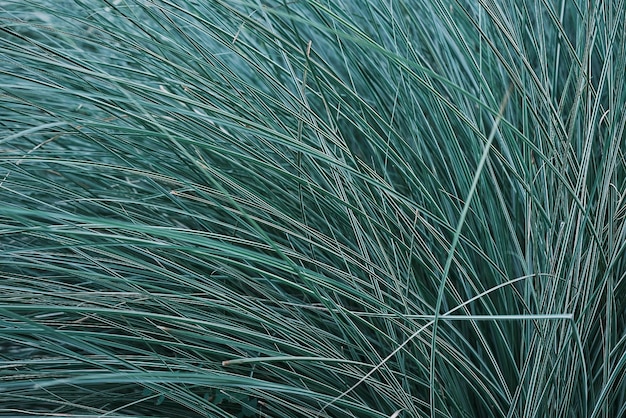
<point>351,208</point>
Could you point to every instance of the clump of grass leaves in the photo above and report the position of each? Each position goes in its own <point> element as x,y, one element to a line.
<point>355,208</point>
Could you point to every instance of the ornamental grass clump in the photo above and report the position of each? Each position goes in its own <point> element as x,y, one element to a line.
<point>355,208</point>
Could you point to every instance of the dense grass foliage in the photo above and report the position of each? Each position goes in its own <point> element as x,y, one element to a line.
<point>351,208</point>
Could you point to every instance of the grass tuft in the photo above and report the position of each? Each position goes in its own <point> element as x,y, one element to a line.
<point>326,209</point>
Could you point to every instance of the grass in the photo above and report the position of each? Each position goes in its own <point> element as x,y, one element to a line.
<point>326,209</point>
